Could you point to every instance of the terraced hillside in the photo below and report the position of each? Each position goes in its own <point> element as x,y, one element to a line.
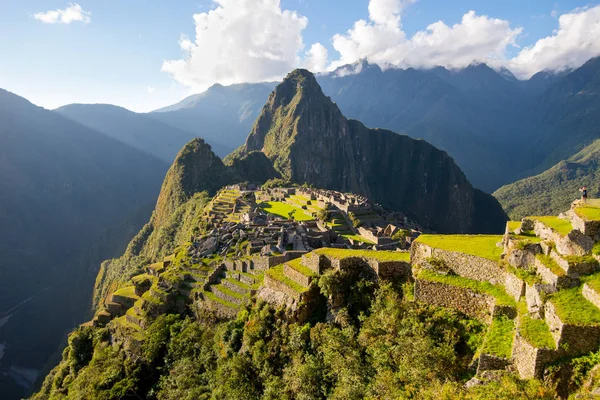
<point>536,287</point>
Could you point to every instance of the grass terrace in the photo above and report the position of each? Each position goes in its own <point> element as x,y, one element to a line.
<point>128,291</point>
<point>283,210</point>
<point>593,281</point>
<point>378,255</point>
<point>513,225</point>
<point>298,266</point>
<point>277,274</point>
<point>535,331</point>
<point>572,308</point>
<point>560,226</point>
<point>529,277</point>
<point>357,238</point>
<point>132,329</point>
<point>211,296</point>
<point>589,211</point>
<point>483,246</point>
<point>502,298</point>
<point>499,339</point>
<point>232,293</point>
<point>551,265</point>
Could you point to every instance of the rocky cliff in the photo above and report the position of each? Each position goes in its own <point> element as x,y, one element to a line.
<point>308,140</point>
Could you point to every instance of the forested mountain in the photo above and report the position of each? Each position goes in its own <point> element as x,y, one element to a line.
<point>552,191</point>
<point>62,186</point>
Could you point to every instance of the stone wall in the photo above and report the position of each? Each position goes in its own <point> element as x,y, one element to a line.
<point>514,286</point>
<point>573,244</point>
<point>530,361</point>
<point>296,276</point>
<point>388,270</point>
<point>278,286</point>
<point>476,305</point>
<point>465,265</point>
<point>221,310</point>
<point>589,228</point>
<point>572,340</point>
<point>557,281</point>
<point>488,362</point>
<point>591,295</point>
<point>262,263</point>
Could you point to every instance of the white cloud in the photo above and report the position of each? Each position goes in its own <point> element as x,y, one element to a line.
<point>255,40</point>
<point>150,89</point>
<point>316,58</point>
<point>239,41</point>
<point>576,40</point>
<point>476,38</point>
<point>72,13</point>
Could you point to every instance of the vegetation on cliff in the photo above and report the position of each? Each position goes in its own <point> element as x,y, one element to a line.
<point>392,348</point>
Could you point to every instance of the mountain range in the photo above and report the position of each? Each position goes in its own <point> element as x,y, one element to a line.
<point>62,187</point>
<point>497,128</point>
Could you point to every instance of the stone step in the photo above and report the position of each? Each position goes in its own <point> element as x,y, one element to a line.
<point>224,293</point>
<point>222,308</point>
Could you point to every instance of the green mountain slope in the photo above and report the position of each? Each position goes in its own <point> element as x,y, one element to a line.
<point>309,140</point>
<point>195,174</point>
<point>62,186</point>
<point>552,191</point>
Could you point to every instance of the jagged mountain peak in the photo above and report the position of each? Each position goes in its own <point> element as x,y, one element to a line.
<point>309,140</point>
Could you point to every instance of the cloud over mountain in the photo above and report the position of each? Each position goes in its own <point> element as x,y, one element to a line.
<point>253,41</point>
<point>239,41</point>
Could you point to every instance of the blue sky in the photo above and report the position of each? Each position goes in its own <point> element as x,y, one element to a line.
<point>117,53</point>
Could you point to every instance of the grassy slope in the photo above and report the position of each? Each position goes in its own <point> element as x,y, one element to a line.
<point>283,210</point>
<point>558,225</point>
<point>378,255</point>
<point>552,191</point>
<point>477,245</point>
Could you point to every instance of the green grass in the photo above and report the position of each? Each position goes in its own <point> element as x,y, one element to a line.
<point>588,212</point>
<point>535,331</point>
<point>237,283</point>
<point>224,289</point>
<point>212,297</point>
<point>573,309</point>
<point>512,225</point>
<point>379,255</point>
<point>132,329</point>
<point>128,291</point>
<point>483,246</point>
<point>298,266</point>
<point>596,249</point>
<point>573,260</point>
<point>593,281</point>
<point>529,277</point>
<point>560,226</point>
<point>277,274</point>
<point>283,210</point>
<point>358,238</point>
<point>499,338</point>
<point>551,265</point>
<point>502,298</point>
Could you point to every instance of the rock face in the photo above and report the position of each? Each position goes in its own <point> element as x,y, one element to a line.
<point>308,140</point>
